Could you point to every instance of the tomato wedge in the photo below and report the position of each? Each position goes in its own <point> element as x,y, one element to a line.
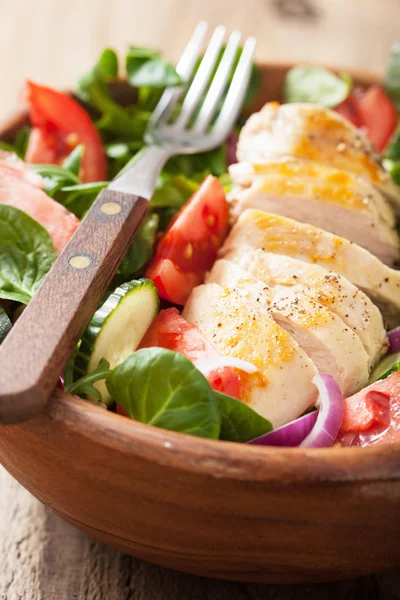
<point>372,416</point>
<point>59,125</point>
<point>373,111</point>
<point>170,330</point>
<point>190,245</point>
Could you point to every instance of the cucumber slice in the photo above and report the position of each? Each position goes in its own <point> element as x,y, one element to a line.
<point>117,328</point>
<point>387,365</point>
<point>5,324</point>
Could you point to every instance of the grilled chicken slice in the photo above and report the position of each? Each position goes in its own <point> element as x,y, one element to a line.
<point>314,133</point>
<point>337,201</point>
<point>256,229</point>
<point>326,287</point>
<point>332,346</point>
<point>281,389</point>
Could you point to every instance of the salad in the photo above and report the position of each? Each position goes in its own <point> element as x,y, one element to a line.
<point>259,302</point>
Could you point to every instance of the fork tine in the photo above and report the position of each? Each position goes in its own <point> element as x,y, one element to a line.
<point>218,84</point>
<point>184,68</point>
<point>202,77</point>
<point>237,91</point>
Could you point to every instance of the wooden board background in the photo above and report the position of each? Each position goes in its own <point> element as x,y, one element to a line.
<point>53,41</point>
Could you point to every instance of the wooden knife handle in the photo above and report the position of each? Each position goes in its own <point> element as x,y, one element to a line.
<point>38,346</point>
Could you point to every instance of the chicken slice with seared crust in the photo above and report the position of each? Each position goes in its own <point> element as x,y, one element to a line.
<point>281,389</point>
<point>334,200</point>
<point>332,346</point>
<point>256,229</point>
<point>312,132</point>
<point>326,287</point>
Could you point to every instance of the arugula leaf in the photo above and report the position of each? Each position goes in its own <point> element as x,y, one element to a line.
<point>7,147</point>
<point>164,389</point>
<point>21,141</point>
<point>84,385</point>
<point>392,79</point>
<point>55,177</point>
<point>5,324</point>
<point>147,68</point>
<point>172,191</point>
<point>26,254</point>
<point>141,249</point>
<point>73,161</point>
<point>79,198</point>
<point>316,85</point>
<point>387,365</point>
<point>93,89</point>
<point>239,422</point>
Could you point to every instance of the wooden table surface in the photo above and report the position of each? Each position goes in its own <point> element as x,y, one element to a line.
<point>41,557</point>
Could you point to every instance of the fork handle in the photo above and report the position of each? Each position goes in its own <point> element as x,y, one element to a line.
<point>38,346</point>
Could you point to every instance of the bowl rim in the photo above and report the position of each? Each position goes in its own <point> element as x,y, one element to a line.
<point>217,458</point>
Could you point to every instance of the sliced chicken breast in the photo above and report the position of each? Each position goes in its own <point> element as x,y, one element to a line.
<point>332,346</point>
<point>281,389</point>
<point>315,133</point>
<point>326,287</point>
<point>337,201</point>
<point>256,229</point>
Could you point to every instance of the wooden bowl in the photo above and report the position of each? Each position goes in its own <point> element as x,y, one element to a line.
<point>206,507</point>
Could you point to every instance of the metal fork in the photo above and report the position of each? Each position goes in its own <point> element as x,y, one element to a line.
<point>38,346</point>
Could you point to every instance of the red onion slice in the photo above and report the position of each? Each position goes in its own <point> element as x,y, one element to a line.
<point>394,340</point>
<point>219,362</point>
<point>289,435</point>
<point>318,429</point>
<point>330,414</point>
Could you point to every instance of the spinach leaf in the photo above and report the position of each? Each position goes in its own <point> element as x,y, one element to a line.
<point>316,85</point>
<point>392,79</point>
<point>239,422</point>
<point>73,161</point>
<point>147,68</point>
<point>141,249</point>
<point>84,385</point>
<point>26,254</point>
<point>387,365</point>
<point>5,324</point>
<point>164,389</point>
<point>55,177</point>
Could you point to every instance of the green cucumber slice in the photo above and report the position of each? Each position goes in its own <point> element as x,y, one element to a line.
<point>5,324</point>
<point>117,328</point>
<point>387,365</point>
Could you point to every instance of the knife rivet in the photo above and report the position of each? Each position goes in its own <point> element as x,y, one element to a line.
<point>110,208</point>
<point>79,261</point>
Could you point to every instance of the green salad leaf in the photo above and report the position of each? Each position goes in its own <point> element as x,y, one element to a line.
<point>146,68</point>
<point>93,89</point>
<point>26,254</point>
<point>80,197</point>
<point>5,324</point>
<point>164,389</point>
<point>84,385</point>
<point>387,365</point>
<point>141,249</point>
<point>55,177</point>
<point>316,85</point>
<point>239,422</point>
<point>73,161</point>
<point>392,79</point>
